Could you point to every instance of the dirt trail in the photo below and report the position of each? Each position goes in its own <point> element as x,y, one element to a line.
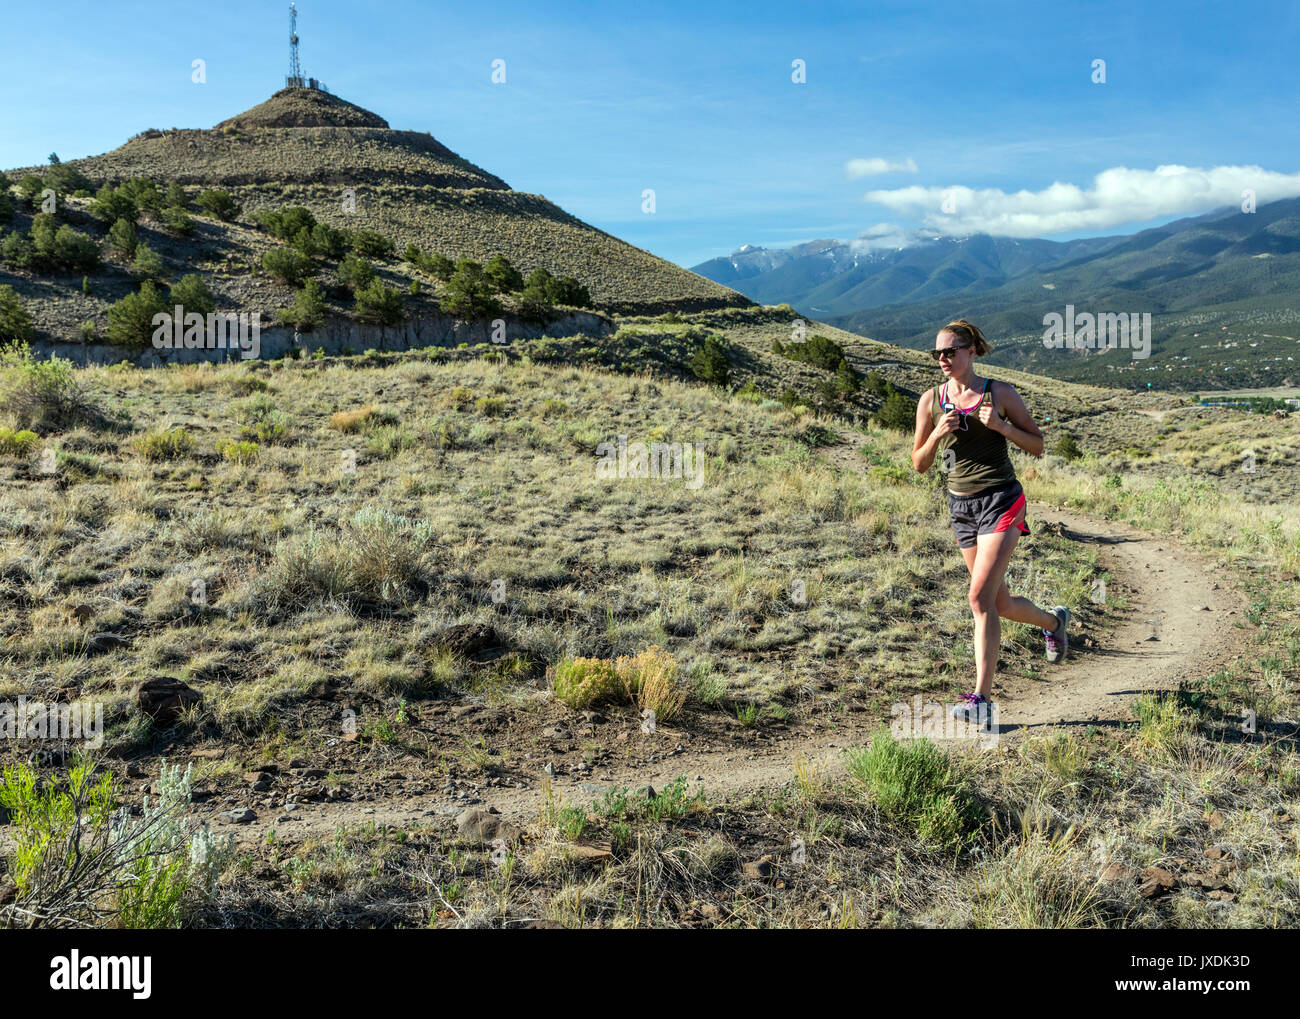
<point>1181,620</point>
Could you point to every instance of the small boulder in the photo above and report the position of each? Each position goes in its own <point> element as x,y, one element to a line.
<point>1114,873</point>
<point>1156,881</point>
<point>485,825</point>
<point>163,698</point>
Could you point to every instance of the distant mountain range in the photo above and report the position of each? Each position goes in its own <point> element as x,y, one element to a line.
<point>1222,272</point>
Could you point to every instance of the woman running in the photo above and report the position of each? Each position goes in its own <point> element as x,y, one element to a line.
<point>967,422</point>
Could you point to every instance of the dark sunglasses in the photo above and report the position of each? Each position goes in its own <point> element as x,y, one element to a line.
<point>939,352</point>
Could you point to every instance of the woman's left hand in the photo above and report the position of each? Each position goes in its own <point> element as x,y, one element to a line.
<point>990,419</point>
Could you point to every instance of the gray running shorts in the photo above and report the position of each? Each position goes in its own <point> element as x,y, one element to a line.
<point>988,511</point>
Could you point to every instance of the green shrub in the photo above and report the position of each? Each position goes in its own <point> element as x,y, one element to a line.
<point>130,320</point>
<point>558,290</point>
<point>288,265</point>
<point>41,394</point>
<point>31,186</point>
<point>377,304</point>
<point>192,294</point>
<point>847,379</point>
<point>238,452</point>
<point>470,293</point>
<point>178,221</point>
<point>877,384</point>
<point>914,785</point>
<point>387,441</point>
<point>709,363</point>
<point>219,204</point>
<point>1067,447</point>
<point>122,236</point>
<point>19,444</point>
<point>439,266</point>
<point>491,406</point>
<point>356,272</point>
<point>17,250</point>
<point>378,559</point>
<point>66,179</point>
<point>171,444</point>
<point>263,421</point>
<point>15,322</point>
<point>819,351</point>
<point>110,205</point>
<point>286,223</point>
<point>51,247</point>
<point>897,412</point>
<point>308,308</point>
<point>369,244</point>
<point>147,263</point>
<point>533,305</point>
<point>143,193</point>
<point>583,682</point>
<point>327,241</point>
<point>176,197</point>
<point>504,276</point>
<point>81,861</point>
<point>567,290</point>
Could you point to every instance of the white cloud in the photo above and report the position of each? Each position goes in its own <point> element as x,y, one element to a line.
<point>875,166</point>
<point>1118,195</point>
<point>889,236</point>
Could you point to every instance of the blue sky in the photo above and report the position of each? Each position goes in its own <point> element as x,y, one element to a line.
<point>696,101</point>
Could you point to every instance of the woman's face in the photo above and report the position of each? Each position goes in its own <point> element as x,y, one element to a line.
<point>955,363</point>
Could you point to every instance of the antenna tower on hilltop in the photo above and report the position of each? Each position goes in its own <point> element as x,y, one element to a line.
<point>295,78</point>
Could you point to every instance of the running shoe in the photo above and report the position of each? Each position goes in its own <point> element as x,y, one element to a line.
<point>1059,642</point>
<point>976,709</point>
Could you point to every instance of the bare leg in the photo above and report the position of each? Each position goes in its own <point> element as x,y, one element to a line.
<point>987,587</point>
<point>1013,607</point>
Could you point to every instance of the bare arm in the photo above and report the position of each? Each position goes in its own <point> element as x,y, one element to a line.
<point>927,434</point>
<point>1018,425</point>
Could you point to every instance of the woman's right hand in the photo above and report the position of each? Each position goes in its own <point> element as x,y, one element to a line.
<point>947,424</point>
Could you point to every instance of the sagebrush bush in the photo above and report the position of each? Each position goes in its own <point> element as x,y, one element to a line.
<point>169,444</point>
<point>19,444</point>
<point>652,682</point>
<point>239,452</point>
<point>914,784</point>
<point>387,441</point>
<point>81,860</point>
<point>351,421</point>
<point>379,559</point>
<point>41,394</point>
<point>264,422</point>
<point>583,682</point>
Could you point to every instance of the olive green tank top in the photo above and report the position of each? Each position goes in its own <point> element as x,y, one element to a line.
<point>981,459</point>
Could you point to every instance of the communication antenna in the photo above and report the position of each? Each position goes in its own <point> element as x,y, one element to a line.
<point>294,80</point>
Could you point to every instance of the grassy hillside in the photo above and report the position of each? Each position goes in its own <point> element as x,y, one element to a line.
<point>352,172</point>
<point>376,595</point>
